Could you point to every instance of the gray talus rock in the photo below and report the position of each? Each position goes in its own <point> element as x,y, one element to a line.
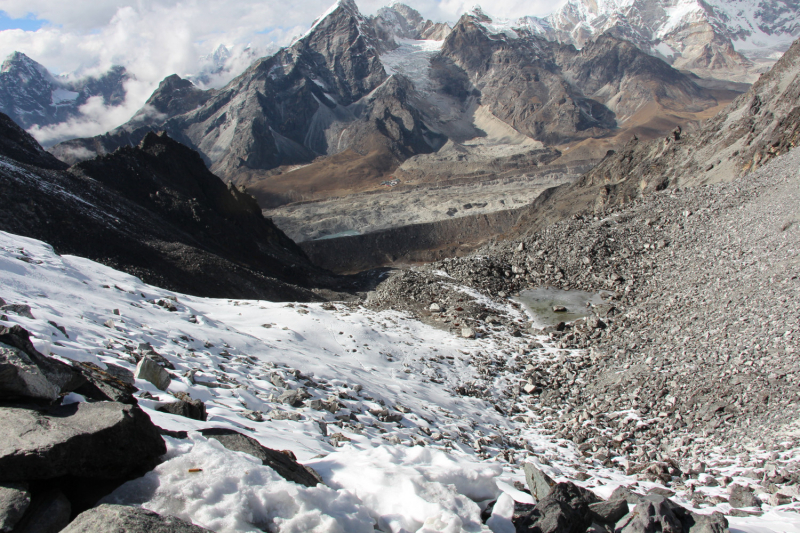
<point>187,407</point>
<point>284,463</point>
<point>741,496</point>
<point>539,483</point>
<point>564,510</point>
<point>105,518</point>
<point>14,501</point>
<point>22,369</point>
<point>105,440</point>
<point>21,378</point>
<point>149,370</point>
<point>654,512</point>
<point>609,512</point>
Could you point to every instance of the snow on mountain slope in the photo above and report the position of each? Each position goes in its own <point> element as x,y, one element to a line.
<point>398,447</point>
<point>412,59</point>
<point>716,36</point>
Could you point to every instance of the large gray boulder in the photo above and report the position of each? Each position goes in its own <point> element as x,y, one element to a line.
<point>29,375</point>
<point>282,462</point>
<point>20,378</point>
<point>149,370</point>
<point>564,510</point>
<point>14,501</point>
<point>105,518</point>
<point>106,440</point>
<point>539,483</point>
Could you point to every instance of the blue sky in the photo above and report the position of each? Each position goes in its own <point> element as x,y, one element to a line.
<point>29,23</point>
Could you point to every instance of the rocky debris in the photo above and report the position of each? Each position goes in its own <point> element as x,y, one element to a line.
<point>283,462</point>
<point>186,407</point>
<point>148,370</point>
<point>49,512</point>
<point>105,518</point>
<point>103,440</point>
<point>14,501</point>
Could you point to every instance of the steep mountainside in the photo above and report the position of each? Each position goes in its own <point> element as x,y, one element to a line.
<point>716,37</point>
<point>31,96</point>
<point>558,94</point>
<point>154,211</point>
<point>354,98</point>
<point>756,127</point>
<point>317,97</point>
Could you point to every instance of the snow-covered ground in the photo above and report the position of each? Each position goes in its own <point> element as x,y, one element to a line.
<point>401,450</point>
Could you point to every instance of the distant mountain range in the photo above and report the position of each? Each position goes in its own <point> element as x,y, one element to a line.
<point>722,37</point>
<point>31,96</point>
<point>356,97</point>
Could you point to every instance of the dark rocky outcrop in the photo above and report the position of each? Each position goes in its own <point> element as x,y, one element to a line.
<point>17,144</point>
<point>107,517</point>
<point>155,211</point>
<point>283,462</point>
<point>50,512</point>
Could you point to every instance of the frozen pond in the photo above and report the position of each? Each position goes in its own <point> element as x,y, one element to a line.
<point>540,303</point>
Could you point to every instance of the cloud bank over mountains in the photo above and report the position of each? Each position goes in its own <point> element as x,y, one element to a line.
<point>153,39</point>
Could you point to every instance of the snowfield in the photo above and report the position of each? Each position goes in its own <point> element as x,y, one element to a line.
<point>399,448</point>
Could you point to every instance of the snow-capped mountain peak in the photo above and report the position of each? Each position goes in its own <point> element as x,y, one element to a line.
<point>693,34</point>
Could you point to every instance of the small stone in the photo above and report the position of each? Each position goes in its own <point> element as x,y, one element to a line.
<point>468,333</point>
<point>741,496</point>
<point>539,483</point>
<point>149,370</point>
<point>559,309</point>
<point>291,397</point>
<point>435,308</point>
<point>115,311</point>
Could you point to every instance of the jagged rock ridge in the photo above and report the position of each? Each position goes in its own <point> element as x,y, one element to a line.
<point>154,211</point>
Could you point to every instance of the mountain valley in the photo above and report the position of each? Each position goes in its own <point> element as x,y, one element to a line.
<point>525,276</point>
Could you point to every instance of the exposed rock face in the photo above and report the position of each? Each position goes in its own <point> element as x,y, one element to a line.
<point>26,374</point>
<point>30,95</point>
<point>104,440</point>
<point>14,501</point>
<point>398,21</point>
<point>307,100</point>
<point>557,94</point>
<point>17,144</point>
<point>107,517</point>
<point>757,126</point>
<point>157,212</point>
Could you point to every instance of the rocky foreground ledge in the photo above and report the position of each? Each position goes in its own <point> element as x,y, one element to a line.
<point>61,459</point>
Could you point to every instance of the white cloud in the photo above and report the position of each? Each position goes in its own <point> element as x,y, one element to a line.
<point>156,38</point>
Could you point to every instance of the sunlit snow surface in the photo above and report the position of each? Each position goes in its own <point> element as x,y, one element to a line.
<point>428,472</point>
